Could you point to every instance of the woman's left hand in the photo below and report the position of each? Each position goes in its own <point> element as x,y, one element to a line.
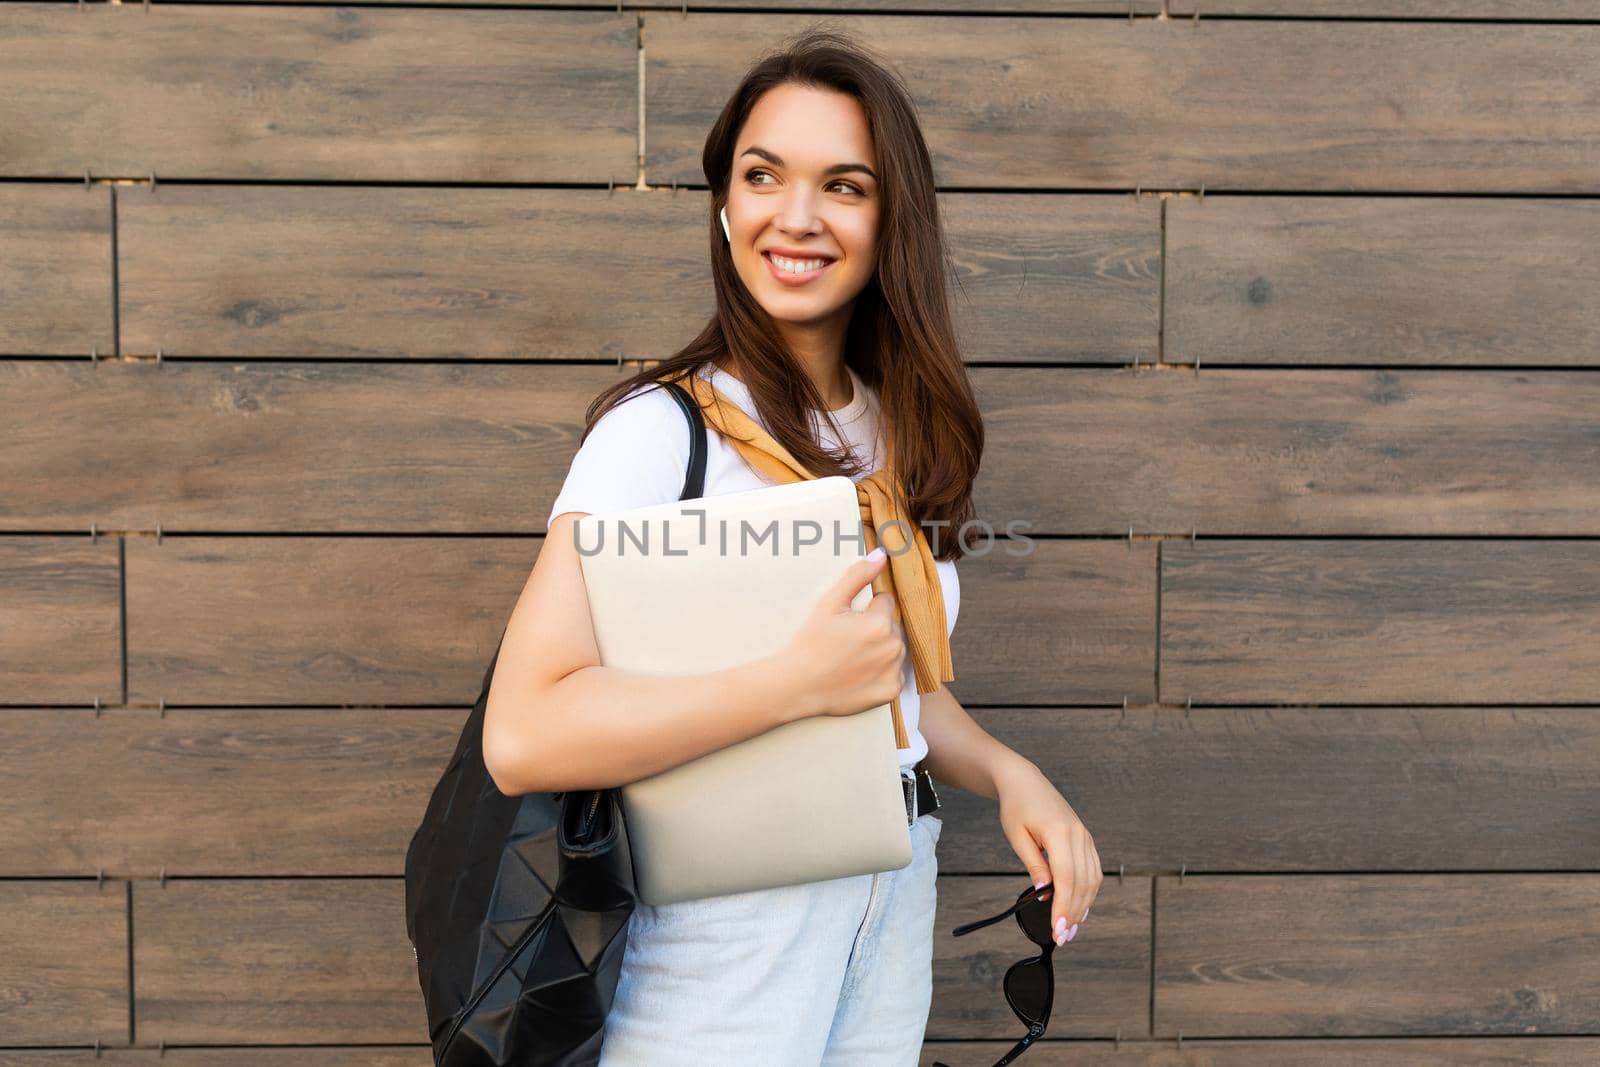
<point>1035,815</point>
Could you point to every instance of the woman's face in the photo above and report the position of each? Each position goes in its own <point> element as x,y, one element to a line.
<point>804,187</point>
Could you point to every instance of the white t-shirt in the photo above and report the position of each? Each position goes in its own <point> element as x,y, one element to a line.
<point>638,453</point>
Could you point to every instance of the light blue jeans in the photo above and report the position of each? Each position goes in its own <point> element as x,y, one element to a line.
<point>824,974</point>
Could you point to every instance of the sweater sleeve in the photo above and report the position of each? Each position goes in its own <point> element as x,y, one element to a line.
<point>636,454</point>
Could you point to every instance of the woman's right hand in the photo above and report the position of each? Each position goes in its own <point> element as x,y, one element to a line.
<point>846,660</point>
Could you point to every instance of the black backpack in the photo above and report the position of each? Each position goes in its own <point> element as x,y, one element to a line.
<point>517,907</point>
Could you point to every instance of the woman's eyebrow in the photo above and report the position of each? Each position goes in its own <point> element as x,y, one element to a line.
<point>837,168</point>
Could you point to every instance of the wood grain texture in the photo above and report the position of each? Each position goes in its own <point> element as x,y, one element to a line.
<point>394,447</point>
<point>1054,278</point>
<point>279,447</point>
<point>398,620</point>
<point>338,791</point>
<point>1522,10</point>
<point>274,961</point>
<point>55,269</point>
<point>571,274</point>
<point>1316,789</point>
<point>60,621</point>
<point>225,1056</point>
<point>1069,622</point>
<point>1352,106</point>
<point>1372,622</point>
<point>1382,280</point>
<point>463,274</point>
<point>1141,1051</point>
<point>1291,452</point>
<point>214,792</point>
<point>1463,954</point>
<point>63,962</point>
<point>318,620</point>
<point>319,93</point>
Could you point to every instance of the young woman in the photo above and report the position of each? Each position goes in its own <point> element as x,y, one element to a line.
<point>831,331</point>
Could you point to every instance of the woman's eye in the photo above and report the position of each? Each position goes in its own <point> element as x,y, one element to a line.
<point>751,175</point>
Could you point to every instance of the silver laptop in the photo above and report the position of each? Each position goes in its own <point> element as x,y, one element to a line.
<point>703,584</point>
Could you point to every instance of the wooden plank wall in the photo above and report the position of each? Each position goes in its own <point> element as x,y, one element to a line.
<point>1285,318</point>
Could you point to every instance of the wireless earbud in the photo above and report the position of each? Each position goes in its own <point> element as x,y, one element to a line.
<point>725,231</point>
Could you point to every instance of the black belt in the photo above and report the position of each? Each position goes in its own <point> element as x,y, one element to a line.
<point>917,785</point>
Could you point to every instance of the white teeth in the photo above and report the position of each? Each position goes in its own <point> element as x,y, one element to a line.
<point>796,266</point>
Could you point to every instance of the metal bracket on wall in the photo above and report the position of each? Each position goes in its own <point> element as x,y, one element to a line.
<point>1182,867</point>
<point>97,707</point>
<point>158,533</point>
<point>161,708</point>
<point>163,876</point>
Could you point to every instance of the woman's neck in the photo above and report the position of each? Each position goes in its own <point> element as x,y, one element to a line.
<point>834,383</point>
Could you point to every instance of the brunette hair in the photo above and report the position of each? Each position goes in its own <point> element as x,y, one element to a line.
<point>900,339</point>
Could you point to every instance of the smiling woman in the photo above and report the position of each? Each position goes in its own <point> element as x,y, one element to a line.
<point>831,352</point>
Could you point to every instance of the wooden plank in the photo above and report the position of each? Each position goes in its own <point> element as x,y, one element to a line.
<point>318,620</point>
<point>1102,974</point>
<point>1078,7</point>
<point>288,272</point>
<point>1055,277</point>
<point>1070,622</point>
<point>465,274</point>
<point>218,1056</point>
<point>1353,106</point>
<point>1368,622</point>
<point>339,791</point>
<point>217,792</point>
<point>63,962</point>
<point>1372,955</point>
<point>1291,452</point>
<point>55,269</point>
<point>217,446</point>
<point>1382,280</point>
<point>320,93</point>
<point>401,620</point>
<point>1134,1050</point>
<point>280,448</point>
<point>1304,789</point>
<point>316,960</point>
<point>60,620</point>
<point>270,961</point>
<point>1521,10</point>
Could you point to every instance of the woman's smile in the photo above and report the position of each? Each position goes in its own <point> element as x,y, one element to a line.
<point>781,268</point>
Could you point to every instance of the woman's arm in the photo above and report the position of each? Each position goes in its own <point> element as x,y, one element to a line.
<point>963,753</point>
<point>1041,827</point>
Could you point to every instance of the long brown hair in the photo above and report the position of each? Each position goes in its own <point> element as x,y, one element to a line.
<point>900,339</point>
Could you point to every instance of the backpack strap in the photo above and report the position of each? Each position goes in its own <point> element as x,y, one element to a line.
<point>694,481</point>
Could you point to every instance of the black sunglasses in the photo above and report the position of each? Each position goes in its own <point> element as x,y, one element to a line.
<point>1029,984</point>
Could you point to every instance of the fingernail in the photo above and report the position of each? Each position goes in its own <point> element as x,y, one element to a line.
<point>1041,883</point>
<point>1085,914</point>
<point>1072,932</point>
<point>876,554</point>
<point>1061,929</point>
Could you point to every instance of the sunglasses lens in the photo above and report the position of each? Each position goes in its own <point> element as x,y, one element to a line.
<point>1034,918</point>
<point>1027,989</point>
